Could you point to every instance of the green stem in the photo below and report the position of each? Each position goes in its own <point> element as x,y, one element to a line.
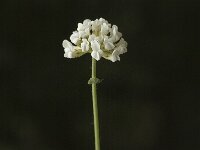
<point>95,107</point>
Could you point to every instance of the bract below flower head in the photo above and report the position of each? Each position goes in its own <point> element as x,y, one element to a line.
<point>97,37</point>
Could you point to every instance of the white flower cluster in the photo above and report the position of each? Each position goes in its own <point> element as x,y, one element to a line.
<point>97,37</point>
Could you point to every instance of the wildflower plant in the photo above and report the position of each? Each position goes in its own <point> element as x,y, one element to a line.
<point>100,39</point>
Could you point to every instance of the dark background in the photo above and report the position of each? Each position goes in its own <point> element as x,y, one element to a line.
<point>147,101</point>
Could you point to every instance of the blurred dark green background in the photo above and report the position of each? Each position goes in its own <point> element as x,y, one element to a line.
<point>148,101</point>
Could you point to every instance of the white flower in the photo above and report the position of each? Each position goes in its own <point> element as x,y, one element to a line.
<point>97,37</point>
<point>85,45</point>
<point>84,28</point>
<point>115,56</point>
<point>96,51</point>
<point>122,46</point>
<point>70,50</point>
<point>96,26</point>
<point>85,25</point>
<point>94,37</point>
<point>102,20</point>
<point>115,34</point>
<point>104,29</point>
<point>108,43</point>
<point>74,37</point>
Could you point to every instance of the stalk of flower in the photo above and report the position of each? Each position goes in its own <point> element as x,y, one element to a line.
<point>101,40</point>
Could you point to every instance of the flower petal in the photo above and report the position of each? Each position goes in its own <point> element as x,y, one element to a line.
<point>96,25</point>
<point>96,55</point>
<point>104,29</point>
<point>114,56</point>
<point>109,45</point>
<point>95,45</point>
<point>122,42</point>
<point>91,37</point>
<point>122,46</point>
<point>122,49</point>
<point>115,35</point>
<point>87,22</point>
<point>66,44</point>
<point>82,34</point>
<point>85,45</point>
<point>69,55</point>
<point>80,27</point>
<point>76,52</point>
<point>75,37</point>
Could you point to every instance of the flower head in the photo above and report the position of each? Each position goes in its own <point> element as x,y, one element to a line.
<point>97,37</point>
